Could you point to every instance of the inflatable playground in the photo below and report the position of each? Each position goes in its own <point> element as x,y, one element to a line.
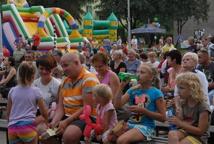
<point>55,26</point>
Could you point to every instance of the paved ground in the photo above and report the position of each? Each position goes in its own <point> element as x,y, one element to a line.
<point>2,137</point>
<point>3,134</point>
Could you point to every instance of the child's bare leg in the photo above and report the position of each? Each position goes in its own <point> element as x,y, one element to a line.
<point>34,141</point>
<point>132,135</point>
<point>175,136</point>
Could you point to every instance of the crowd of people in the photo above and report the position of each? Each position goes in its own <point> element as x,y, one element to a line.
<point>50,90</point>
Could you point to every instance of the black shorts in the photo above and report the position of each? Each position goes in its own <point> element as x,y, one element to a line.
<point>34,47</point>
<point>80,123</point>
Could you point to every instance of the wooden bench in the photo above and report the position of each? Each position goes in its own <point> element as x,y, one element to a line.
<point>3,105</point>
<point>155,140</point>
<point>164,126</point>
<point>3,102</point>
<point>211,128</point>
<point>161,126</point>
<point>3,127</point>
<point>159,140</point>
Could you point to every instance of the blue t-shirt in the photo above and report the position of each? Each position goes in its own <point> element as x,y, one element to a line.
<point>132,66</point>
<point>151,95</point>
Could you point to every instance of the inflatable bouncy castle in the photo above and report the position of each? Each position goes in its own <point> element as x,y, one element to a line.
<point>55,27</point>
<point>19,19</point>
<point>100,29</point>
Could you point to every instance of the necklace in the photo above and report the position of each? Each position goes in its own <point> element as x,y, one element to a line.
<point>116,64</point>
<point>100,77</point>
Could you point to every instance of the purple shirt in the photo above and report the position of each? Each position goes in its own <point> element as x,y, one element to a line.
<point>24,103</point>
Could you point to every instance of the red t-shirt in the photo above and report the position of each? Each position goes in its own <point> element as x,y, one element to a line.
<point>36,40</point>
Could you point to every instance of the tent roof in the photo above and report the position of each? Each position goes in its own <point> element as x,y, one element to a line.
<point>148,29</point>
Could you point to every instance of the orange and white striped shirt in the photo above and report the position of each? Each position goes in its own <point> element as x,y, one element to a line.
<point>74,91</point>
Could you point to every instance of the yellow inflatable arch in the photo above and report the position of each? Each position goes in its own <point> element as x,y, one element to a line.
<point>18,3</point>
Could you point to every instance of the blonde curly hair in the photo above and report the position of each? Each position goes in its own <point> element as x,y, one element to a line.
<point>191,81</point>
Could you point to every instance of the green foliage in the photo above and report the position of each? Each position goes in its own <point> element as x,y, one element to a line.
<point>181,11</point>
<point>119,7</point>
<point>166,11</point>
<point>74,7</point>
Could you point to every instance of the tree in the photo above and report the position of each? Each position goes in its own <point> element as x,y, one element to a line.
<point>75,8</point>
<point>167,11</point>
<point>181,11</point>
<point>140,11</point>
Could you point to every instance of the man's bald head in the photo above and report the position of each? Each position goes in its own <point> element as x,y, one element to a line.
<point>71,57</point>
<point>71,64</point>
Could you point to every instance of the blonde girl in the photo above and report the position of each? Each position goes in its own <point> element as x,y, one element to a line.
<point>146,105</point>
<point>105,109</point>
<point>23,101</point>
<point>193,118</point>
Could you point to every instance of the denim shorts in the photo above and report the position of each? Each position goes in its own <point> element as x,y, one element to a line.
<point>146,131</point>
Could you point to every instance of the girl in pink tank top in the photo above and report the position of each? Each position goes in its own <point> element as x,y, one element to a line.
<point>106,78</point>
<point>105,110</point>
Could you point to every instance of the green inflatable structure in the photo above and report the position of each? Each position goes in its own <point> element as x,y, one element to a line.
<point>100,29</point>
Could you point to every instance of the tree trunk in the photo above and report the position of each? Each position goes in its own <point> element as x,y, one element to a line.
<point>180,24</point>
<point>178,27</point>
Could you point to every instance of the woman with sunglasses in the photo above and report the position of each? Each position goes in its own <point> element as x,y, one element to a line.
<point>105,75</point>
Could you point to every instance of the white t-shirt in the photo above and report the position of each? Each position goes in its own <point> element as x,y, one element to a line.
<point>119,42</point>
<point>134,43</point>
<point>155,64</point>
<point>49,91</point>
<point>18,54</point>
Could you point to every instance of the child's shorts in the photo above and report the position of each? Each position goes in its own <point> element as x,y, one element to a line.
<point>146,131</point>
<point>193,140</point>
<point>22,132</point>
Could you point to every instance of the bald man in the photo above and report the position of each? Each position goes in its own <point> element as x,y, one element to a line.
<point>75,92</point>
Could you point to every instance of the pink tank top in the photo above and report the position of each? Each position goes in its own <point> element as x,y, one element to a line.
<point>172,77</point>
<point>101,110</point>
<point>106,79</point>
